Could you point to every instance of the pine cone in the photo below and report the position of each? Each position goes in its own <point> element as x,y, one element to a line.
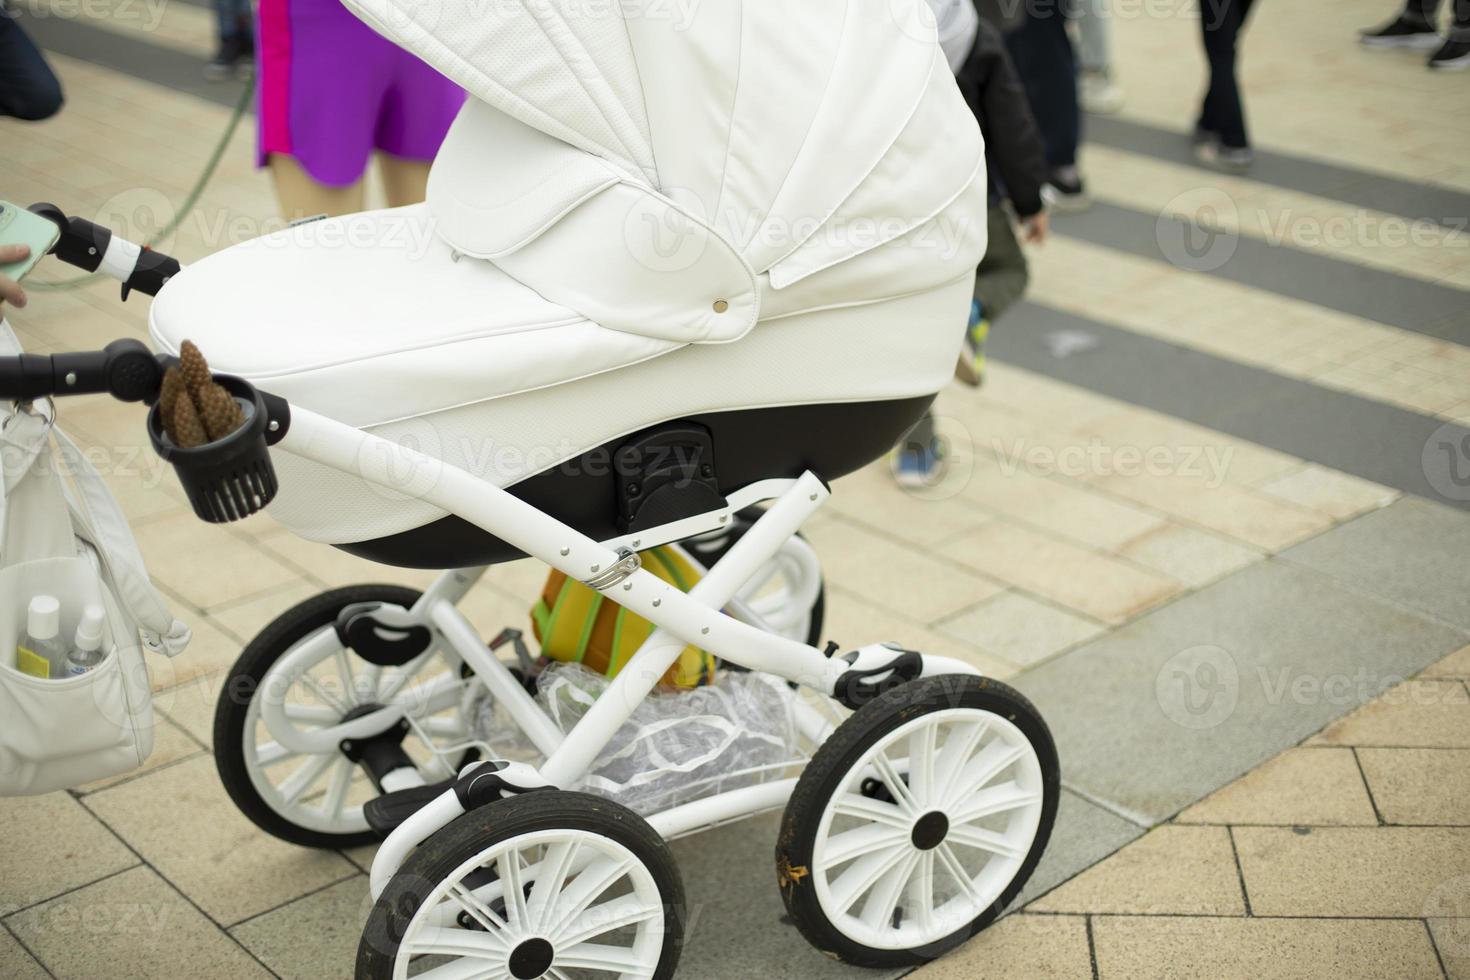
<point>188,431</point>
<point>219,412</point>
<point>168,395</point>
<point>195,370</point>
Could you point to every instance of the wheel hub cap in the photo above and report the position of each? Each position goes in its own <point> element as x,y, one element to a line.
<point>531,959</point>
<point>930,830</point>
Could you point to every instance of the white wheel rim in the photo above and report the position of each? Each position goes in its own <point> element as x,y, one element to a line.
<point>587,896</point>
<point>325,792</point>
<point>875,883</point>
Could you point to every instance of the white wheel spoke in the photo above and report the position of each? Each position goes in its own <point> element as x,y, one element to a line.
<point>337,789</point>
<point>627,910</point>
<point>395,683</point>
<point>856,805</point>
<point>883,896</point>
<point>493,924</point>
<point>992,800</point>
<point>959,746</point>
<point>551,877</point>
<point>513,890</point>
<point>321,692</point>
<point>271,753</point>
<point>983,840</point>
<point>464,969</point>
<point>920,902</point>
<point>991,761</point>
<point>897,788</point>
<point>922,748</point>
<point>597,878</point>
<point>859,841</point>
<point>957,870</point>
<point>469,943</point>
<point>295,785</point>
<point>851,884</point>
<point>344,674</point>
<point>603,959</point>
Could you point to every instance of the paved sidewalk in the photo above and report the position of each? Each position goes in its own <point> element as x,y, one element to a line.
<point>1203,510</point>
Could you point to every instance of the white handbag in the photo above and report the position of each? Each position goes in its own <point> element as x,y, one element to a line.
<point>71,542</point>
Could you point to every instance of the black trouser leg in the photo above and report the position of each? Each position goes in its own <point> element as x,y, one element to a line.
<point>1222,112</point>
<point>1047,65</point>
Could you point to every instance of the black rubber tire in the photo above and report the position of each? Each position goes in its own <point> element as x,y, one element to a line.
<point>843,749</point>
<point>709,555</point>
<point>472,833</point>
<point>288,629</point>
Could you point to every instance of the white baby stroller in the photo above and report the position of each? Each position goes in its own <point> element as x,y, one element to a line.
<point>678,268</point>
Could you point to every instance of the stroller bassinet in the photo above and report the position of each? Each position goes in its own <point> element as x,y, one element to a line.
<point>758,221</point>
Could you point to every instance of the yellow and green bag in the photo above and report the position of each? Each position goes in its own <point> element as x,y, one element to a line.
<point>575,624</point>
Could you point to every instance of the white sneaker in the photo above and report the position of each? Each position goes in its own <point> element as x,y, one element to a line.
<point>1099,93</point>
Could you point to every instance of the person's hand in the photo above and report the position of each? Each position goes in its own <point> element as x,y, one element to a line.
<point>10,291</point>
<point>1035,228</point>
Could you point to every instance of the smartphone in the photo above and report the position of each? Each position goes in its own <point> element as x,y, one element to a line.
<point>20,227</point>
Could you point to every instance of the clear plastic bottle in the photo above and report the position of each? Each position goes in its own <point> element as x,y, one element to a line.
<point>86,652</point>
<point>43,652</point>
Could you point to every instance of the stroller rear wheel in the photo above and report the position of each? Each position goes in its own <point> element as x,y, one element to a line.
<point>918,821</point>
<point>315,800</point>
<point>544,884</point>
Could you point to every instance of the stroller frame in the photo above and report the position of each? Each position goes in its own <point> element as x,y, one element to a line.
<point>611,568</point>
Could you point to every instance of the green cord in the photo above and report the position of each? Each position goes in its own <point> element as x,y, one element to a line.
<point>189,201</point>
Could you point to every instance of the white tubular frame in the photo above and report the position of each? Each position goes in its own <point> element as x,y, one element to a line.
<point>681,619</point>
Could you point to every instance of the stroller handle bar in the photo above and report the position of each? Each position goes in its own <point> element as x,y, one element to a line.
<point>91,247</point>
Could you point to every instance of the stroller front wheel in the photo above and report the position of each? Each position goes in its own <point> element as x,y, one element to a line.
<point>549,883</point>
<point>918,821</point>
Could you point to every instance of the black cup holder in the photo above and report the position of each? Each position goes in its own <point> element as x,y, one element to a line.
<point>231,478</point>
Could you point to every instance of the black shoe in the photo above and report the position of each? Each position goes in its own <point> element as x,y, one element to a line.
<point>1065,193</point>
<point>1452,56</point>
<point>222,65</point>
<point>1402,32</point>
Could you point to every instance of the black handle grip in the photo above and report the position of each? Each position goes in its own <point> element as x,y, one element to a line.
<point>83,244</point>
<point>125,369</point>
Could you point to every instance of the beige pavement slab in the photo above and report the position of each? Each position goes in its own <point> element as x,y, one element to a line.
<point>1091,583</point>
<point>1327,491</point>
<point>1452,939</point>
<point>1019,947</point>
<point>207,565</point>
<point>1189,555</point>
<point>52,845</point>
<point>16,963</point>
<point>1350,871</point>
<point>1455,665</point>
<point>132,925</point>
<point>1170,870</point>
<point>1181,948</point>
<point>1300,786</point>
<point>1419,786</point>
<point>312,938</point>
<point>1021,629</point>
<point>926,517</point>
<point>851,618</point>
<point>1419,713</point>
<point>181,820</point>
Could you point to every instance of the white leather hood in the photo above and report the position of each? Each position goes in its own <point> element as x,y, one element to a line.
<point>679,168</point>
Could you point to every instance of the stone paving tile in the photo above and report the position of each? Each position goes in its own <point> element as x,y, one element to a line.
<point>131,925</point>
<point>170,744</point>
<point>53,845</point>
<point>314,937</point>
<point>1020,629</point>
<point>1419,786</point>
<point>1335,494</point>
<point>191,706</point>
<point>1188,555</point>
<point>248,617</point>
<point>334,567</point>
<point>1391,872</point>
<point>182,821</point>
<point>851,619</point>
<point>925,517</point>
<point>1452,939</point>
<point>893,576</point>
<point>1413,552</point>
<point>1169,870</point>
<point>1313,787</point>
<point>1212,687</point>
<point>1418,713</point>
<point>1182,948</point>
<point>1084,834</point>
<point>206,565</point>
<point>16,962</point>
<point>1091,583</point>
<point>211,651</point>
<point>1455,665</point>
<point>1018,947</point>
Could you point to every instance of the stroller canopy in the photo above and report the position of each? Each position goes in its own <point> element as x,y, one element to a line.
<point>681,169</point>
